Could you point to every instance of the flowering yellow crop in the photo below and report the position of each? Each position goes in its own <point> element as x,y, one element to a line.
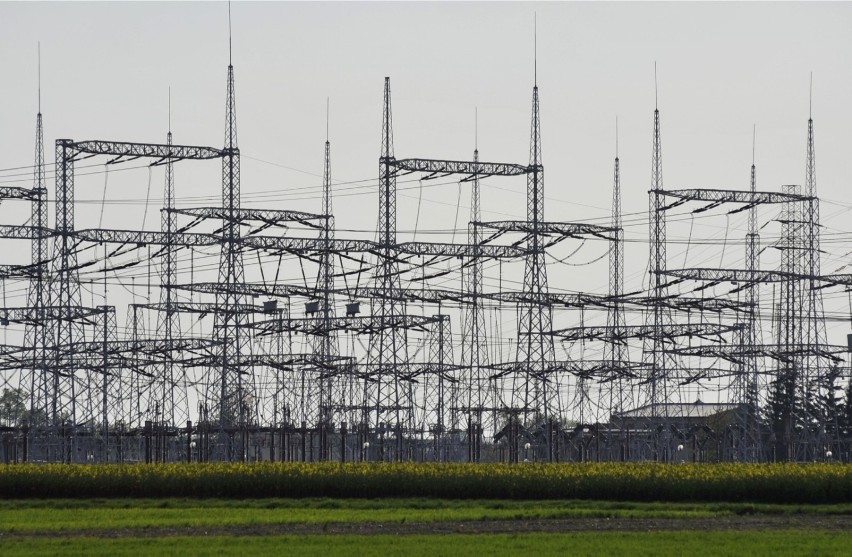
<point>781,483</point>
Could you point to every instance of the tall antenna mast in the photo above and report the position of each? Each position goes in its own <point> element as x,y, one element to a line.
<point>811,99</point>
<point>229,33</point>
<point>535,48</point>
<point>476,128</point>
<point>657,390</point>
<point>616,351</point>
<point>748,381</point>
<point>655,85</point>
<point>36,336</point>
<point>753,142</point>
<point>616,137</point>
<point>814,365</point>
<point>170,109</point>
<point>810,175</point>
<point>326,118</point>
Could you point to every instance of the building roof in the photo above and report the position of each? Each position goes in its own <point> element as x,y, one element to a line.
<point>695,409</point>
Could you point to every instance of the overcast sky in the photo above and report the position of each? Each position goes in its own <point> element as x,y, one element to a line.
<point>722,68</point>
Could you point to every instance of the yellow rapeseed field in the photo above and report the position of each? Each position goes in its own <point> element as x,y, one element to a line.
<point>781,483</point>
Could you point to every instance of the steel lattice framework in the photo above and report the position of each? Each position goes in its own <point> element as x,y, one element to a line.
<point>335,368</point>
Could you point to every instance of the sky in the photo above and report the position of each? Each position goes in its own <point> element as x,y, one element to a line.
<point>723,69</point>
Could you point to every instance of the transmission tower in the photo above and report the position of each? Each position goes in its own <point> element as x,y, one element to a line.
<point>233,390</point>
<point>172,380</point>
<point>386,396</point>
<point>786,398</point>
<point>35,332</point>
<point>616,348</point>
<point>481,395</point>
<point>817,392</point>
<point>747,388</point>
<point>65,296</point>
<point>325,345</point>
<point>534,392</point>
<point>660,316</point>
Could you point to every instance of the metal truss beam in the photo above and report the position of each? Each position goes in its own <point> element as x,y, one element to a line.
<point>460,250</point>
<point>46,314</point>
<point>357,325</point>
<point>144,238</point>
<point>306,245</point>
<point>731,196</point>
<point>113,347</point>
<point>624,332</point>
<point>200,307</point>
<point>470,168</point>
<point>836,280</point>
<point>566,229</point>
<point>11,231</point>
<point>17,271</point>
<point>13,192</point>
<point>267,216</point>
<point>284,362</point>
<point>730,275</point>
<point>688,304</point>
<point>781,352</point>
<point>582,368</point>
<point>715,276</point>
<point>291,245</point>
<point>67,364</point>
<point>162,151</point>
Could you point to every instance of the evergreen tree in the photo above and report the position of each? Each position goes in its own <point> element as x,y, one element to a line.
<point>782,415</point>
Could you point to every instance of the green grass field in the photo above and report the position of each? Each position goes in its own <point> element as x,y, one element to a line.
<point>420,526</point>
<point>69,515</point>
<point>608,543</point>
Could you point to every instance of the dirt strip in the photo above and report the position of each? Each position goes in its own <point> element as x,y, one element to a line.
<point>747,522</point>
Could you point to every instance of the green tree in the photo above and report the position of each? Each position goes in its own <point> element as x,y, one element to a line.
<point>13,410</point>
<point>782,411</point>
<point>832,400</point>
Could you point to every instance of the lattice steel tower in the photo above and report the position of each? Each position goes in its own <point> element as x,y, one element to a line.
<point>816,390</point>
<point>616,348</point>
<point>534,393</point>
<point>233,390</point>
<point>480,388</point>
<point>747,382</point>
<point>786,396</point>
<point>661,364</point>
<point>386,395</point>
<point>326,346</point>
<point>40,379</point>
<point>63,388</point>
<point>171,379</point>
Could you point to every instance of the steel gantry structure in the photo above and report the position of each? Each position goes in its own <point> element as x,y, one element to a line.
<point>336,368</point>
